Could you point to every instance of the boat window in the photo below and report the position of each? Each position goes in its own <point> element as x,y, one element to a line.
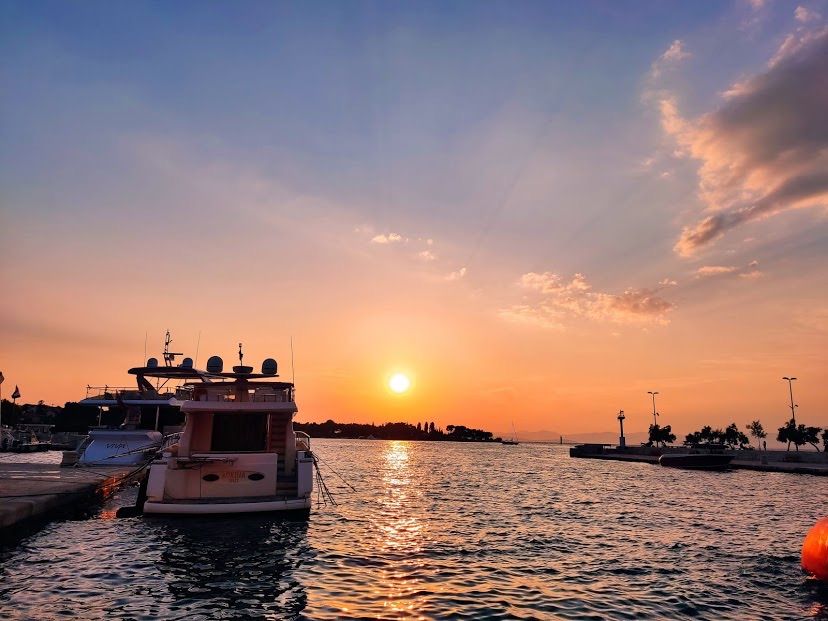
<point>239,432</point>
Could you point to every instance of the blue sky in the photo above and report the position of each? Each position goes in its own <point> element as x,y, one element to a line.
<point>479,142</point>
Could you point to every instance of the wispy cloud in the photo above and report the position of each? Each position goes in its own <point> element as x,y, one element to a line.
<point>456,275</point>
<point>426,255</point>
<point>575,297</point>
<point>749,271</point>
<point>765,150</point>
<point>804,15</point>
<point>390,238</point>
<point>670,58</point>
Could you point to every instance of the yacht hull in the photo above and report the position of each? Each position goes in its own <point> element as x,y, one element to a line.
<point>220,508</point>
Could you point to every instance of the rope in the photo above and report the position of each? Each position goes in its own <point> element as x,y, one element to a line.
<point>334,471</point>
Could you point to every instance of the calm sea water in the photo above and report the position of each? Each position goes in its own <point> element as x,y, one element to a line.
<point>443,530</point>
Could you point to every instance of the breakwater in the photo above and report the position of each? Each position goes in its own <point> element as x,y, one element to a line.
<point>802,462</point>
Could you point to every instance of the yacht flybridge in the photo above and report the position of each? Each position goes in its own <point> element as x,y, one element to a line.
<point>237,452</point>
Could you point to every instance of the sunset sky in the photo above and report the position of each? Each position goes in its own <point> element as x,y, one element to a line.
<point>535,211</point>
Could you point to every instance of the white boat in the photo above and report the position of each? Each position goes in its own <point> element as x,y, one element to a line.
<point>144,409</point>
<point>237,452</point>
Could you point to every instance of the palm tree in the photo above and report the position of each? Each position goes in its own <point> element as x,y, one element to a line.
<point>757,431</point>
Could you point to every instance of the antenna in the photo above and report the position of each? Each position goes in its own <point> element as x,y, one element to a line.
<point>241,355</point>
<point>292,368</point>
<point>169,356</point>
<point>198,344</point>
<point>145,347</point>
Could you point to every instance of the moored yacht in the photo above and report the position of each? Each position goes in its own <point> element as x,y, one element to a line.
<point>137,414</point>
<point>237,452</point>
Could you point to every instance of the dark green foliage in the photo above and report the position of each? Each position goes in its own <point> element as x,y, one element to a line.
<point>757,431</point>
<point>799,435</point>
<point>730,437</point>
<point>661,435</point>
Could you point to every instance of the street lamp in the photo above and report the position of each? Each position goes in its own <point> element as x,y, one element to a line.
<point>655,414</point>
<point>790,381</point>
<point>621,441</point>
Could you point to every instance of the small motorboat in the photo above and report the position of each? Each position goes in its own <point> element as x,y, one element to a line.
<point>696,461</point>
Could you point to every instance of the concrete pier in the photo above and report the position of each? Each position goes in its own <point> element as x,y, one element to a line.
<point>774,461</point>
<point>29,491</point>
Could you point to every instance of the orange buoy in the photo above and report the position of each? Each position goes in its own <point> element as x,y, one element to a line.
<point>815,550</point>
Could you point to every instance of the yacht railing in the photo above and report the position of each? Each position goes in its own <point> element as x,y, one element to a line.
<point>303,440</point>
<point>109,392</point>
<point>170,440</point>
<point>114,393</point>
<point>258,396</point>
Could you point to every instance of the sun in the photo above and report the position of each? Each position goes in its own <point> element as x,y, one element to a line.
<point>399,383</point>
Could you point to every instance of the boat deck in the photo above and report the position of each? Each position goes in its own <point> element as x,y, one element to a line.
<point>30,491</point>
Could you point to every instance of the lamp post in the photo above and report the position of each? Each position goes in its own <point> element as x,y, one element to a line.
<point>790,381</point>
<point>655,414</point>
<point>621,441</point>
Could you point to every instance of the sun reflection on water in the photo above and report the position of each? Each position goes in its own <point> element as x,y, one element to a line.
<point>400,531</point>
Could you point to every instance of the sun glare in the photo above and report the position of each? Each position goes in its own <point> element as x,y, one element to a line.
<point>399,383</point>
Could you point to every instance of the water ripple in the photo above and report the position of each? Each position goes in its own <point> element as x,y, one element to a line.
<point>449,531</point>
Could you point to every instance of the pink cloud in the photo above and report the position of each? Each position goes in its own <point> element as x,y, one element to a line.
<point>765,150</point>
<point>749,271</point>
<point>560,298</point>
<point>671,57</point>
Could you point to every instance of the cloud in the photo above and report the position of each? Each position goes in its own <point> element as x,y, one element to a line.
<point>542,316</point>
<point>667,282</point>
<point>575,297</point>
<point>715,270</point>
<point>461,273</point>
<point>749,271</point>
<point>391,238</point>
<point>804,15</point>
<point>670,58</point>
<point>765,150</point>
<point>426,255</point>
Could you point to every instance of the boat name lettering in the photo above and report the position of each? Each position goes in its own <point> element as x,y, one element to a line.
<point>233,476</point>
<point>116,445</point>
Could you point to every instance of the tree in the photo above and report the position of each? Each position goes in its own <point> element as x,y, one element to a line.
<point>825,440</point>
<point>419,427</point>
<point>757,431</point>
<point>732,437</point>
<point>799,435</point>
<point>431,427</point>
<point>810,435</point>
<point>661,435</point>
<point>787,434</point>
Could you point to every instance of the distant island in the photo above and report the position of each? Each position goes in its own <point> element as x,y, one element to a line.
<point>395,431</point>
<point>76,417</point>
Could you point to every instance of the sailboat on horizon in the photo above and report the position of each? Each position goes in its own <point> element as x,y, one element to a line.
<point>513,441</point>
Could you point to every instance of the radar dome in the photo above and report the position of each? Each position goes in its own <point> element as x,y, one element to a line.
<point>269,367</point>
<point>187,363</point>
<point>152,363</point>
<point>215,364</point>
